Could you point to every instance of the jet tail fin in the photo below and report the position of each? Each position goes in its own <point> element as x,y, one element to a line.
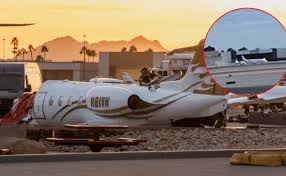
<point>245,60</point>
<point>196,78</point>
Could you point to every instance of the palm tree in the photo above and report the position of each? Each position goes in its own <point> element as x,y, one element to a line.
<point>93,54</point>
<point>88,53</point>
<point>209,48</point>
<point>149,50</point>
<point>44,50</point>
<point>15,43</point>
<point>132,49</point>
<point>23,51</point>
<point>243,49</point>
<point>31,49</point>
<point>83,51</point>
<point>124,49</point>
<point>18,53</point>
<point>39,58</point>
<point>230,49</point>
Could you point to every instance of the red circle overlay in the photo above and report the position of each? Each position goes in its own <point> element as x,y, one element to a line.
<point>212,78</point>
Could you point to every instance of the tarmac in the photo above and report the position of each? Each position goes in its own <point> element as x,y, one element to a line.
<point>197,163</point>
<point>142,155</point>
<point>166,167</point>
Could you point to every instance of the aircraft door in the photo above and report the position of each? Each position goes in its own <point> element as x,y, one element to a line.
<point>39,105</point>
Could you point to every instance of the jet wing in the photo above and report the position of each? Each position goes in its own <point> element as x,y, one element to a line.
<point>238,101</point>
<point>88,127</point>
<point>275,95</point>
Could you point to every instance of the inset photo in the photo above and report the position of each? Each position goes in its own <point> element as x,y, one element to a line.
<point>245,51</point>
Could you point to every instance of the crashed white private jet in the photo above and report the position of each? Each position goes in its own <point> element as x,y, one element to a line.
<point>254,61</point>
<point>173,102</point>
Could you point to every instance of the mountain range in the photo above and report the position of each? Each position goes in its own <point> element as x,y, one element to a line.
<point>67,49</point>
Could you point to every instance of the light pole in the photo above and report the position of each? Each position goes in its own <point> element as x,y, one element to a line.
<point>3,48</point>
<point>84,50</point>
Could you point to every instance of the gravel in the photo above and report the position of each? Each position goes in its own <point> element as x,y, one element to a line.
<point>168,139</point>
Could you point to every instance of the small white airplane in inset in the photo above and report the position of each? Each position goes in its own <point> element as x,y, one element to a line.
<point>253,61</point>
<point>172,102</point>
<point>240,62</point>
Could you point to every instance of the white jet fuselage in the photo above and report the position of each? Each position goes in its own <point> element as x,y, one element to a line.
<point>127,104</point>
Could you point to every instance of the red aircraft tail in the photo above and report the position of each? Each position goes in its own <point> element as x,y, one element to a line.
<point>19,110</point>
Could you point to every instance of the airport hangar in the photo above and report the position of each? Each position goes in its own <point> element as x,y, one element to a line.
<point>113,64</point>
<point>272,54</point>
<point>68,70</point>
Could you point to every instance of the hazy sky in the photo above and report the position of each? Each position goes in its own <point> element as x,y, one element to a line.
<point>248,28</point>
<point>174,23</point>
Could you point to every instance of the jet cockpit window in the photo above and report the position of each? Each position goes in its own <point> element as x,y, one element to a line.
<point>60,102</point>
<point>51,101</point>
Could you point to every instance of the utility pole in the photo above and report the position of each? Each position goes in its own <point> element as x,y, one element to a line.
<point>3,48</point>
<point>84,57</point>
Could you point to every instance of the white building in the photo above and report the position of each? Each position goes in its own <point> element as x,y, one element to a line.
<point>178,62</point>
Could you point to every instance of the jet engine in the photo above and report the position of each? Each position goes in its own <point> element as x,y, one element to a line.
<point>135,102</point>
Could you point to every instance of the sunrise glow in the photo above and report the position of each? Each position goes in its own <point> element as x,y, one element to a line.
<point>173,23</point>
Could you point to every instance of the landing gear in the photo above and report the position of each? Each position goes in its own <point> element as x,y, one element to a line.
<point>220,121</point>
<point>217,121</point>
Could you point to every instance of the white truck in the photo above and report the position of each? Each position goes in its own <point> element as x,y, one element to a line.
<point>15,79</point>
